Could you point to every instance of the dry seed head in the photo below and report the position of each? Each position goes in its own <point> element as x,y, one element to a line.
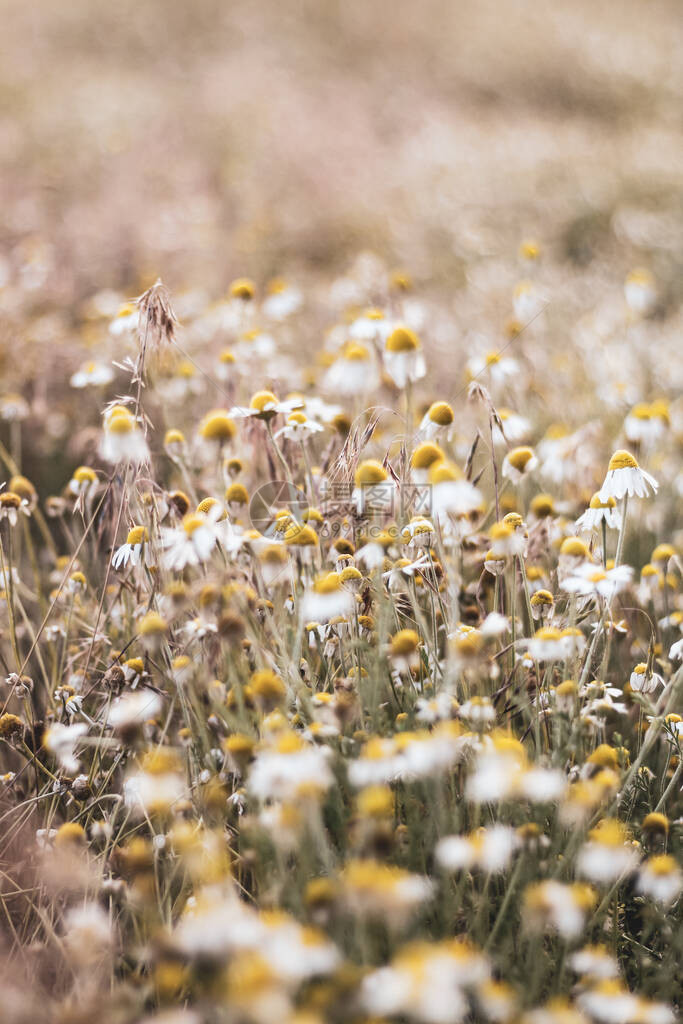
<point>402,339</point>
<point>217,426</point>
<point>426,454</point>
<point>157,321</point>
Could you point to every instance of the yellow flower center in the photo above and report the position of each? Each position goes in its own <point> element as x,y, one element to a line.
<point>261,399</point>
<point>622,460</point>
<point>217,426</point>
<point>402,339</point>
<point>370,472</point>
<point>519,457</point>
<point>137,535</point>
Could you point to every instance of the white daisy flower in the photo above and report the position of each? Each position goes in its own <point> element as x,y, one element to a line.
<point>403,357</point>
<point>131,551</point>
<point>353,373</point>
<point>624,476</point>
<point>122,440</point>
<point>298,427</point>
<point>661,879</point>
<point>193,540</point>
<point>92,375</point>
<point>597,513</point>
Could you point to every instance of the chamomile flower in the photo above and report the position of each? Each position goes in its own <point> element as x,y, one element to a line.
<point>264,405</point>
<point>437,422</point>
<point>554,906</point>
<point>645,424</point>
<point>192,542</point>
<point>62,740</point>
<point>83,481</point>
<point>644,680</point>
<point>607,855</point>
<point>489,849</point>
<point>403,357</point>
<point>299,428</point>
<point>518,463</point>
<point>131,551</point>
<point>625,477</point>
<point>640,292</point>
<point>453,497</point>
<point>353,372</point>
<point>122,439</point>
<point>11,504</point>
<point>282,301</point>
<point>92,375</point>
<point>661,879</point>
<point>598,512</point>
<point>493,366</point>
<point>588,579</point>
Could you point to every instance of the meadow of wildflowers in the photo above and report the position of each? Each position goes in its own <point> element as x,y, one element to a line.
<point>341,608</point>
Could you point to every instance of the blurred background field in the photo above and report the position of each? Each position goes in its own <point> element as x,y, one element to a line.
<point>202,140</point>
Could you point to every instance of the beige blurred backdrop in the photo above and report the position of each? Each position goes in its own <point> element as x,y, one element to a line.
<point>206,139</point>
